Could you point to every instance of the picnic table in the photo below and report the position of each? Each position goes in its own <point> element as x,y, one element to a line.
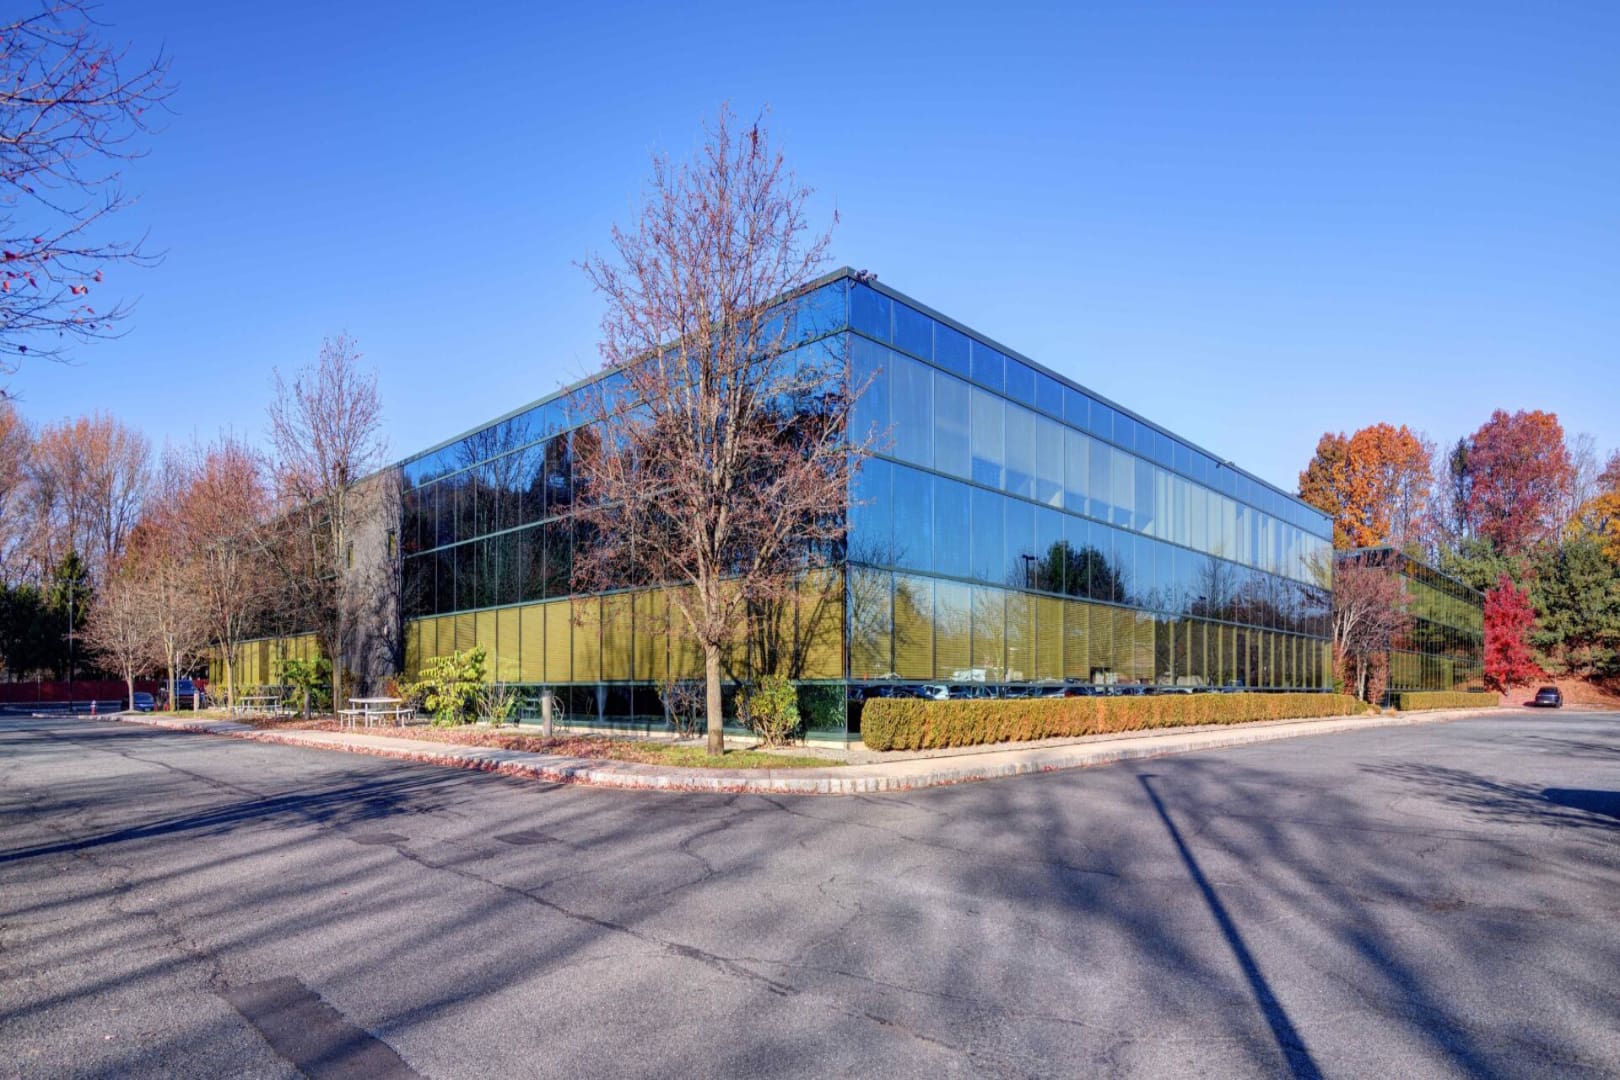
<point>256,703</point>
<point>376,709</point>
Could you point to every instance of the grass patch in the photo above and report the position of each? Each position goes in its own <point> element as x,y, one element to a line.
<point>582,746</point>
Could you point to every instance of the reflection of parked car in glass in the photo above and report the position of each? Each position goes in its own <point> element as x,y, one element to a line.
<point>935,691</point>
<point>1550,697</point>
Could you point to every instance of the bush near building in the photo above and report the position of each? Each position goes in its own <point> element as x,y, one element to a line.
<point>1441,699</point>
<point>915,724</point>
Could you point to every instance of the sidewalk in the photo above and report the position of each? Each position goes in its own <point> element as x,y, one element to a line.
<point>904,774</point>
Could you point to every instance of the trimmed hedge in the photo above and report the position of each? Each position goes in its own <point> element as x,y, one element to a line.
<point>918,724</point>
<point>1441,699</point>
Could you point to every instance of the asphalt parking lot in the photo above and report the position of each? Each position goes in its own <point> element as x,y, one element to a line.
<point>1437,900</point>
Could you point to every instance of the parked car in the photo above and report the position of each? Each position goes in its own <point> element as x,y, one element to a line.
<point>1080,690</point>
<point>936,691</point>
<point>142,702</point>
<point>1550,697</point>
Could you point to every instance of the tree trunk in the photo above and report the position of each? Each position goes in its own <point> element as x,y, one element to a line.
<point>230,680</point>
<point>716,723</point>
<point>129,684</point>
<point>174,705</point>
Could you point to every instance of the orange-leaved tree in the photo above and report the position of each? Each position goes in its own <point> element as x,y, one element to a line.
<point>1375,484</point>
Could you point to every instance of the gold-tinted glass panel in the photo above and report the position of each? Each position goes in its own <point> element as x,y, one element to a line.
<point>871,623</point>
<point>617,631</point>
<point>989,634</point>
<point>532,666</point>
<point>559,643</point>
<point>508,639</point>
<point>913,627</point>
<point>953,637</point>
<point>1020,636</point>
<point>587,618</point>
<point>821,624</point>
<point>1048,638</point>
<point>1076,641</point>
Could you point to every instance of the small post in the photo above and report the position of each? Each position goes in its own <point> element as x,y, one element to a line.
<point>545,713</point>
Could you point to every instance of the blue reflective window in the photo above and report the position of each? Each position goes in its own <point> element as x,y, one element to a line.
<point>871,505</point>
<point>1019,477</point>
<point>1076,538</point>
<point>952,452</point>
<point>987,437</point>
<point>1077,470</point>
<point>822,311</point>
<point>1021,555</point>
<point>870,312</point>
<point>913,332</point>
<point>1051,561</point>
<point>985,539</point>
<point>1102,420</point>
<point>951,517</point>
<point>1144,583</point>
<point>1076,408</point>
<point>1142,520</point>
<point>1163,451</point>
<point>911,400</point>
<point>1124,431</point>
<point>869,419</point>
<point>1183,459</point>
<point>1048,394</point>
<point>1049,456</point>
<point>913,520</point>
<point>951,349</point>
<point>1020,382</point>
<point>1099,491</point>
<point>989,367</point>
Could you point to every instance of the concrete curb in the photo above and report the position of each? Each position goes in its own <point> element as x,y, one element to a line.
<point>906,775</point>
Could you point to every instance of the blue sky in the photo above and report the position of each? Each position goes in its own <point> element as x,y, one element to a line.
<point>1249,223</point>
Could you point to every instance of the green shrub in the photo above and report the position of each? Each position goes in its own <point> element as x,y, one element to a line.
<point>449,686</point>
<point>312,679</point>
<point>1440,699</point>
<point>915,724</point>
<point>772,709</point>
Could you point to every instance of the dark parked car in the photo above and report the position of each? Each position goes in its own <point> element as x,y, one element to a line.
<point>142,702</point>
<point>1550,697</point>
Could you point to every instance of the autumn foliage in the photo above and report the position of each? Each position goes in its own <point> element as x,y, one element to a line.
<point>1519,472</point>
<point>1374,484</point>
<point>1509,618</point>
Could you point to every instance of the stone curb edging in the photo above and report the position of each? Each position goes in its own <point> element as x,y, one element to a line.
<point>843,780</point>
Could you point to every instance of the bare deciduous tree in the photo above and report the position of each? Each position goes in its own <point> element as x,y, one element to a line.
<point>72,109</point>
<point>718,464</point>
<point>224,502</point>
<point>1370,611</point>
<point>158,561</point>
<point>16,451</point>
<point>89,478</point>
<point>325,427</point>
<point>120,630</point>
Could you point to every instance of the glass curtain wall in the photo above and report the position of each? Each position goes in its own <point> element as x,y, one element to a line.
<point>1012,529</point>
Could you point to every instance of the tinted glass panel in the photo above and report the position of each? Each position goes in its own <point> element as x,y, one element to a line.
<point>869,312</point>
<point>987,438</point>
<point>910,409</point>
<point>1019,569</point>
<point>913,520</point>
<point>870,510</point>
<point>1020,382</point>
<point>1048,394</point>
<point>989,367</point>
<point>951,349</point>
<point>951,441</point>
<point>951,515</point>
<point>913,332</point>
<point>1049,456</point>
<point>986,538</point>
<point>1020,451</point>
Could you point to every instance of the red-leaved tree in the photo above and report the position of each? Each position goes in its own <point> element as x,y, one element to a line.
<point>1509,619</point>
<point>1519,479</point>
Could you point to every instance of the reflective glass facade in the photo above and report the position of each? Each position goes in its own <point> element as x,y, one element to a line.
<point>1445,647</point>
<point>1012,529</point>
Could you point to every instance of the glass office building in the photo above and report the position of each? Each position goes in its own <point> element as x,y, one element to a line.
<point>1444,647</point>
<point>1012,531</point>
